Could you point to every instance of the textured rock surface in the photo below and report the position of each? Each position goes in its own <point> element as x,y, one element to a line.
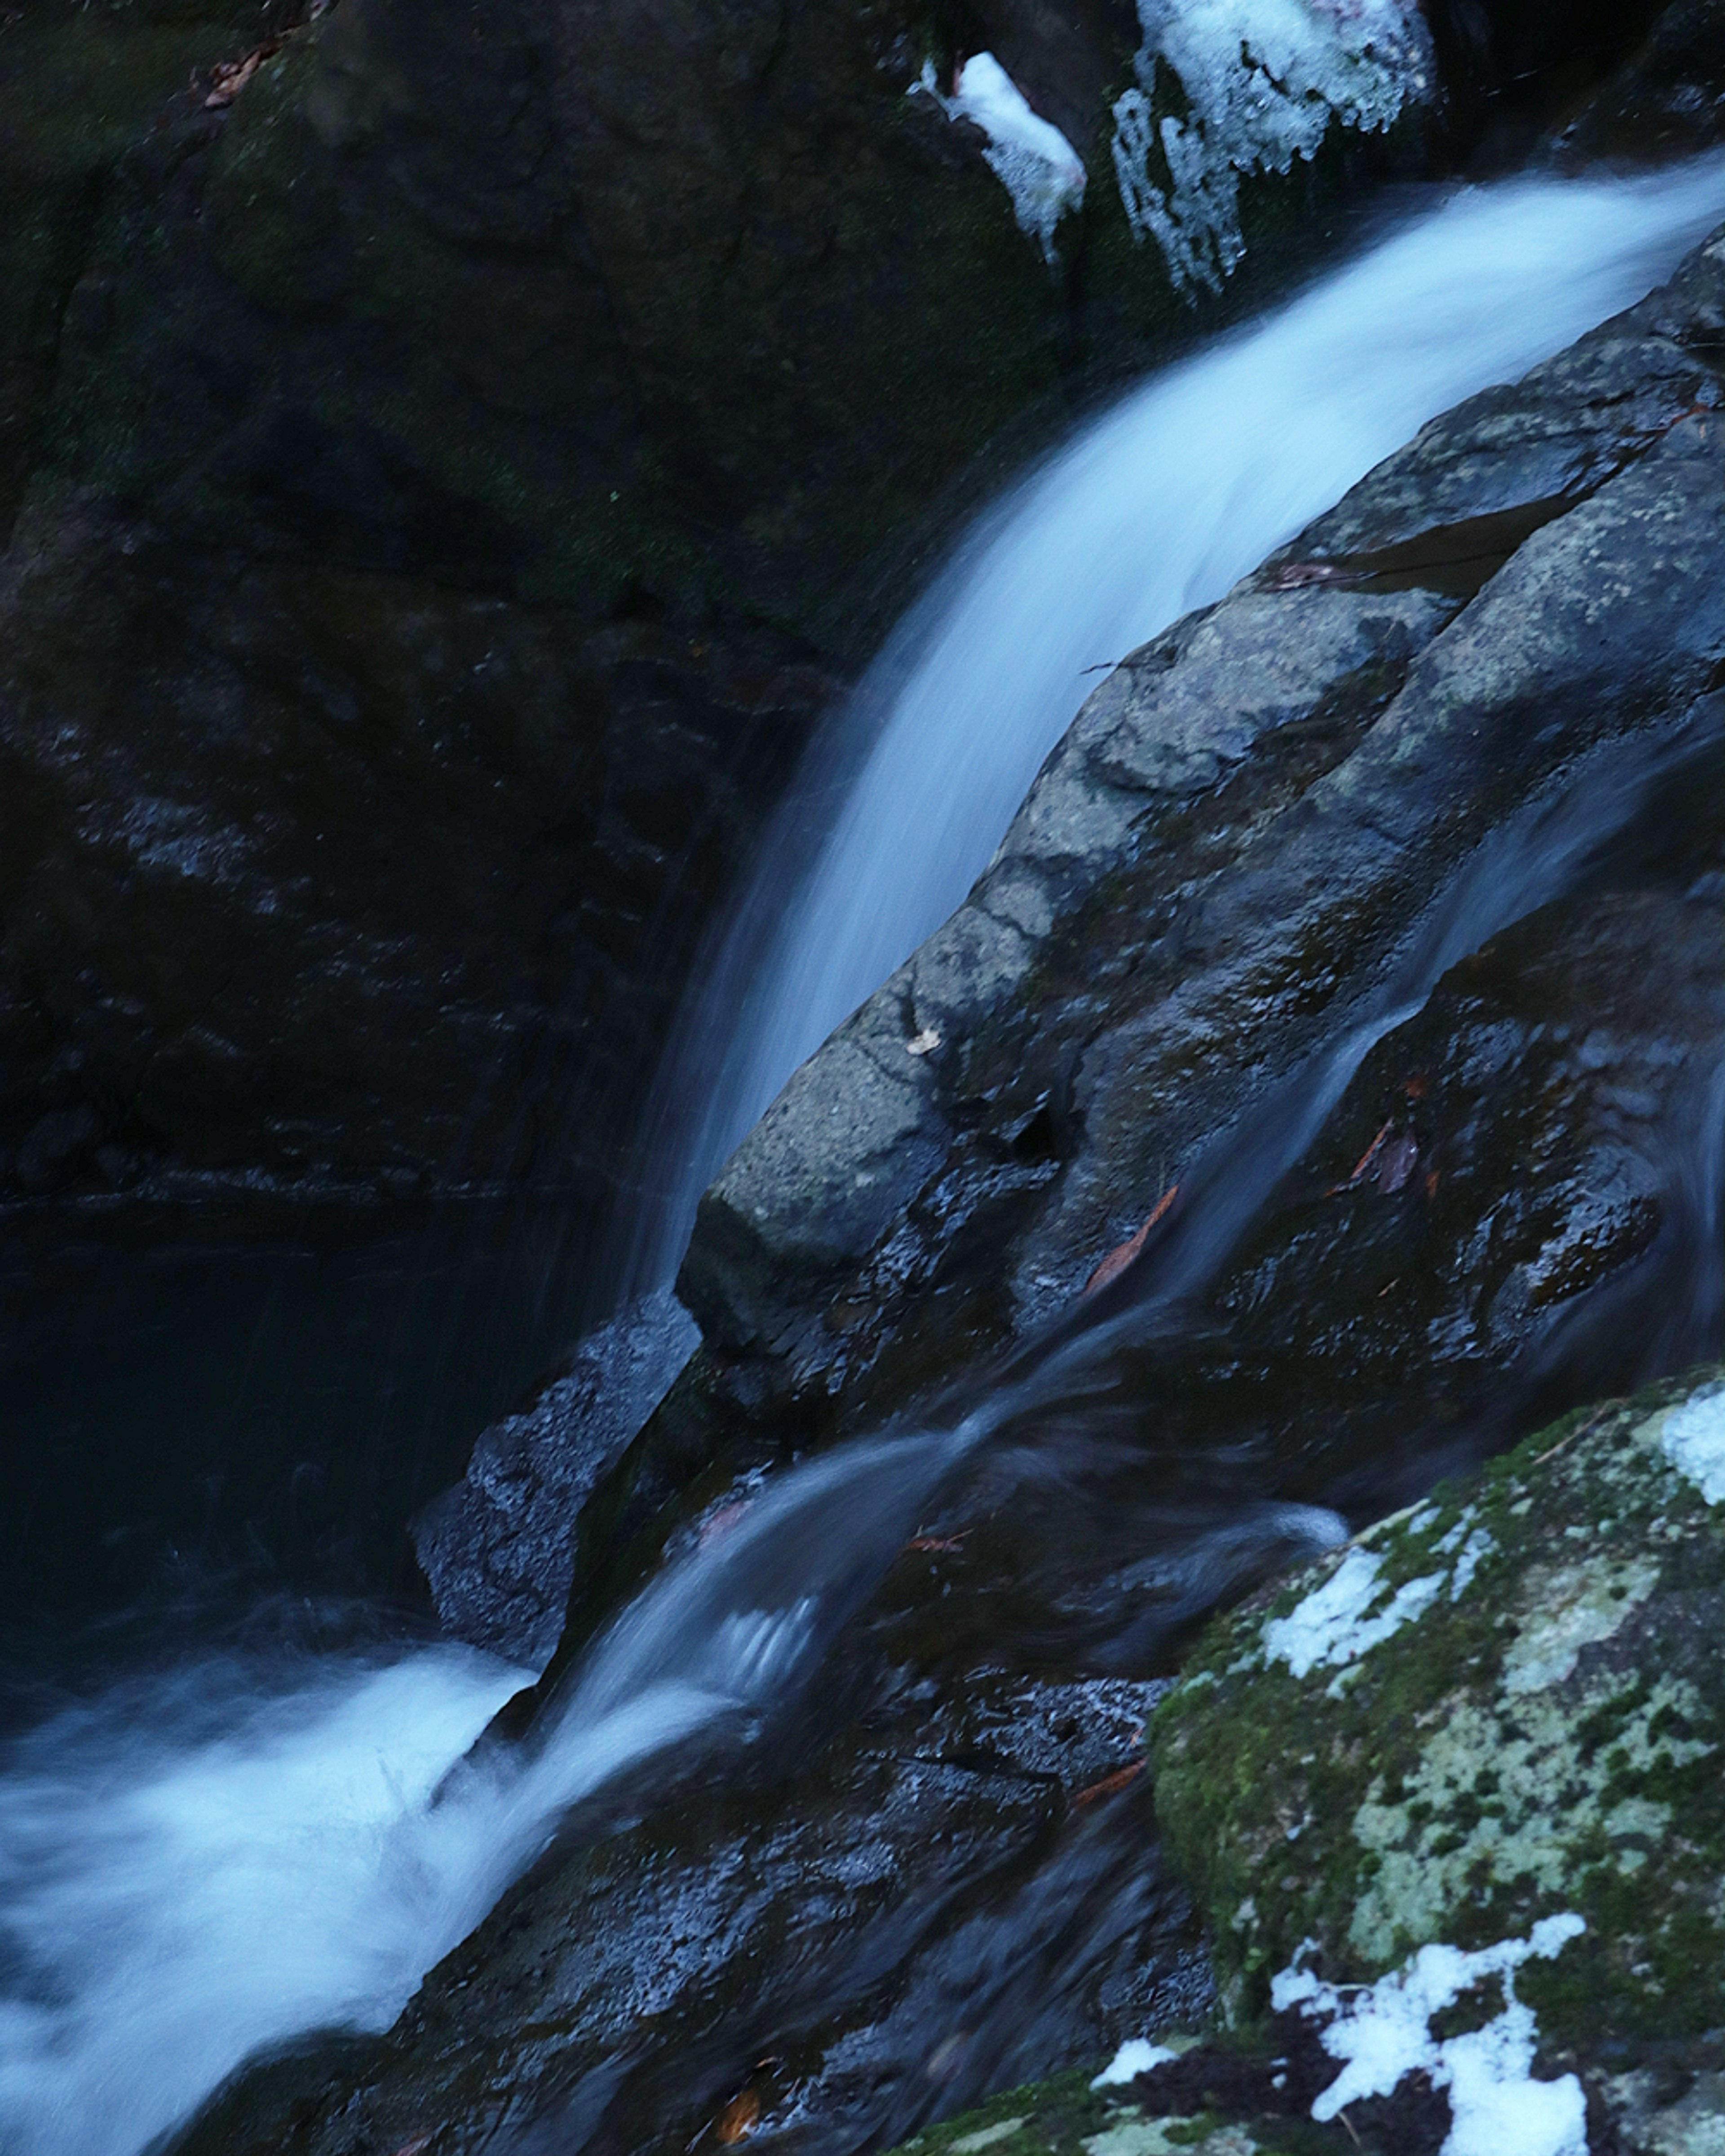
<point>1503,1708</point>
<point>499,1550</point>
<point>1229,850</point>
<point>439,483</point>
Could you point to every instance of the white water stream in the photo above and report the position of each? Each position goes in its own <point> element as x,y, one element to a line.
<point>1156,506</point>
<point>211,1862</point>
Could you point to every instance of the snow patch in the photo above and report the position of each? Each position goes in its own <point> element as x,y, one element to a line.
<point>1478,1546</point>
<point>1262,81</point>
<point>1333,1626</point>
<point>1694,1442</point>
<point>1342,1620</point>
<point>1132,2059</point>
<point>1382,2032</point>
<point>1030,157</point>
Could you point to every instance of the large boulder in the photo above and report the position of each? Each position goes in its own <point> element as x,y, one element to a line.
<point>1260,833</point>
<point>1451,1801</point>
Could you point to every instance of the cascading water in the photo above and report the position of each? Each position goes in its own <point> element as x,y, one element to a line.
<point>215,1861</point>
<point>1156,507</point>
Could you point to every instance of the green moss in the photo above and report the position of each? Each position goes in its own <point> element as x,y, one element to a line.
<point>1548,1737</point>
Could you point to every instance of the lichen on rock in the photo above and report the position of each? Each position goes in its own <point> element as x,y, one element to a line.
<point>1545,1743</point>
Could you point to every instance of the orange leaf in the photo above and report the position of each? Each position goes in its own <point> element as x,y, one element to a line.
<point>1116,1261</point>
<point>1109,1785</point>
<point>1370,1154</point>
<point>738,2119</point>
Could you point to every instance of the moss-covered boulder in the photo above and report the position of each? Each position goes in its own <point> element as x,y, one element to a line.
<point>1503,1706</point>
<point>1451,1800</point>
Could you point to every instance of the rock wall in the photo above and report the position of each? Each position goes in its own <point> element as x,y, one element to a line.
<point>450,458</point>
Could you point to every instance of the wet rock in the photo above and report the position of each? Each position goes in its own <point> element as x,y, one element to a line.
<point>1670,98</point>
<point>1265,820</point>
<point>1461,1775</point>
<point>835,1950</point>
<point>499,1550</point>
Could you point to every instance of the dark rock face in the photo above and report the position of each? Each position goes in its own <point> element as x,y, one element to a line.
<point>1669,100</point>
<point>442,461</point>
<point>1254,834</point>
<point>350,896</point>
<point>499,1549</point>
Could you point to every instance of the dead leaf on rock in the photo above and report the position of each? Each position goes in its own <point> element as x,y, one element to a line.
<point>1389,1161</point>
<point>1367,1158</point>
<point>738,2119</point>
<point>1109,1786</point>
<point>718,1524</point>
<point>925,1043</point>
<point>1396,1162</point>
<point>1117,1261</point>
<point>936,1543</point>
<point>228,78</point>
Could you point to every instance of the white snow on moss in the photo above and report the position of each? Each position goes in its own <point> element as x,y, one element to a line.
<point>1382,2032</point>
<point>1030,157</point>
<point>1478,1546</point>
<point>1339,1622</point>
<point>1354,1611</point>
<point>1132,2059</point>
<point>1262,80</point>
<point>1694,1442</point>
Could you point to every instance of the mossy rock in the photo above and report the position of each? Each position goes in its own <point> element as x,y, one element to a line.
<point>1505,1705</point>
<point>1503,1708</point>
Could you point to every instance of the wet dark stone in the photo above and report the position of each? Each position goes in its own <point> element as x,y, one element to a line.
<point>863,1940</point>
<point>1229,850</point>
<point>499,1549</point>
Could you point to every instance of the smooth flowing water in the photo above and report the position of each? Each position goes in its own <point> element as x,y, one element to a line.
<point>1157,505</point>
<point>212,1861</point>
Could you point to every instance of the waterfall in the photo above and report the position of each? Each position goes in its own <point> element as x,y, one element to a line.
<point>1157,505</point>
<point>209,1863</point>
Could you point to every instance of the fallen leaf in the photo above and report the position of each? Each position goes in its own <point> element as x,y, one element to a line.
<point>1109,1784</point>
<point>1117,1261</point>
<point>1416,1085</point>
<point>940,1542</point>
<point>1370,1154</point>
<point>228,78</point>
<point>1397,1163</point>
<point>1389,1161</point>
<point>738,2119</point>
<point>925,1043</point>
<point>1431,1182</point>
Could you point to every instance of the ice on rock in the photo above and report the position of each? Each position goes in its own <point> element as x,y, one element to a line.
<point>1030,157</point>
<point>1262,81</point>
<point>1694,1442</point>
<point>1133,2058</point>
<point>1382,2032</point>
